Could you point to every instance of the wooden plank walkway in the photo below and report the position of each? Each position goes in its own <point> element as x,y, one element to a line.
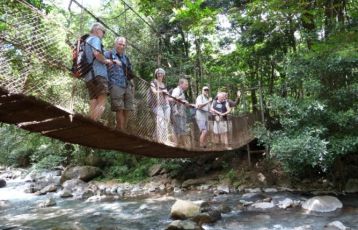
<point>35,115</point>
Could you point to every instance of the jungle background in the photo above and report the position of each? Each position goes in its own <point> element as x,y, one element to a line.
<point>302,54</point>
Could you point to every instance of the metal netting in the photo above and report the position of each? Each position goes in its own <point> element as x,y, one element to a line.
<point>35,61</point>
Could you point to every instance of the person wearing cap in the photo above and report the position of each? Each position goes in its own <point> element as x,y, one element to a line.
<point>97,79</point>
<point>121,87</point>
<point>202,104</point>
<point>159,102</point>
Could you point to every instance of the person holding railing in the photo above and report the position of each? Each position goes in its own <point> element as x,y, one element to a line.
<point>178,112</point>
<point>202,104</point>
<point>97,79</point>
<point>121,87</point>
<point>220,108</point>
<point>159,102</point>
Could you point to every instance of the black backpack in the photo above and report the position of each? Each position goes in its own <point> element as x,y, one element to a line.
<point>80,64</point>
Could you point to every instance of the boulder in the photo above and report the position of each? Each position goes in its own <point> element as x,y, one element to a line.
<point>183,209</point>
<point>322,204</point>
<point>2,183</point>
<point>47,203</point>
<point>65,194</point>
<point>84,173</point>
<point>350,187</point>
<point>207,217</point>
<point>47,189</point>
<point>263,205</point>
<point>336,225</point>
<point>183,225</point>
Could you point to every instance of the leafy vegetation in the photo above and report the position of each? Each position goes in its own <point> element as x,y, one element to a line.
<point>303,54</point>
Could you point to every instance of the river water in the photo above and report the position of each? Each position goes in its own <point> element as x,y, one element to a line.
<point>153,213</point>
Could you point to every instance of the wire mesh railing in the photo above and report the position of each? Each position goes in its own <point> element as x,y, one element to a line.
<point>34,60</point>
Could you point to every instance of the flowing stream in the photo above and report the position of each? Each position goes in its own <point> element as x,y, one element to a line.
<point>22,212</point>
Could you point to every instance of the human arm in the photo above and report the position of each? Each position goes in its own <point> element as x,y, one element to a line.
<point>237,99</point>
<point>96,46</point>
<point>200,102</point>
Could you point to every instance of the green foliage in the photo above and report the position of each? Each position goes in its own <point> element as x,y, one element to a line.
<point>128,168</point>
<point>49,162</point>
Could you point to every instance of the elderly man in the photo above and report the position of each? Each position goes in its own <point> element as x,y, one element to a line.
<point>179,111</point>
<point>202,104</point>
<point>121,87</point>
<point>97,79</point>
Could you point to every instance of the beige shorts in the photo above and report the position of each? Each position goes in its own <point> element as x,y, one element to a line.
<point>121,98</point>
<point>97,87</point>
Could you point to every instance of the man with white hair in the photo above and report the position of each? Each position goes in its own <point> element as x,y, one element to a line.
<point>179,111</point>
<point>97,79</point>
<point>121,87</point>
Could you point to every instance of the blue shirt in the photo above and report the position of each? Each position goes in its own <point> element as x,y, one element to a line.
<point>99,69</point>
<point>116,73</point>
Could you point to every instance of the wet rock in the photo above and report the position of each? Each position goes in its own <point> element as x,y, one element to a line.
<point>84,173</point>
<point>223,189</point>
<point>47,203</point>
<point>270,190</point>
<point>47,189</point>
<point>351,186</point>
<point>263,205</point>
<point>183,209</point>
<point>74,184</point>
<point>253,196</point>
<point>322,204</point>
<point>286,203</point>
<point>2,183</point>
<point>246,203</point>
<point>4,204</point>
<point>65,194</point>
<point>223,208</point>
<point>85,194</point>
<point>183,225</point>
<point>252,190</point>
<point>336,225</point>
<point>207,217</point>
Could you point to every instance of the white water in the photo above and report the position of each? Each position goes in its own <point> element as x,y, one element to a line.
<point>153,213</point>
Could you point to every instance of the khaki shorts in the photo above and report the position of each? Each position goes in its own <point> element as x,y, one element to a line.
<point>97,87</point>
<point>121,98</point>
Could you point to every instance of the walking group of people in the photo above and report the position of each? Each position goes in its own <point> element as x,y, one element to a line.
<point>170,109</point>
<point>110,75</point>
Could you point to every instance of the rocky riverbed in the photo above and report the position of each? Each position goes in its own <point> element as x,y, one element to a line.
<point>70,199</point>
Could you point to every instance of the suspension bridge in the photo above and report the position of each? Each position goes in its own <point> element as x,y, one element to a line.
<point>38,94</point>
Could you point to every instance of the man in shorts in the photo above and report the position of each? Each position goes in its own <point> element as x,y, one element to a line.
<point>202,104</point>
<point>97,79</point>
<point>120,86</point>
<point>178,111</point>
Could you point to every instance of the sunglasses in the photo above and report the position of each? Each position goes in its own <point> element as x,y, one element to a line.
<point>206,89</point>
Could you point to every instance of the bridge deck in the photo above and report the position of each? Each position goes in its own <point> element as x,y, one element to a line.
<point>35,115</point>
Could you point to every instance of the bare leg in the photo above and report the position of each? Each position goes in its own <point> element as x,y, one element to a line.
<point>92,109</point>
<point>97,107</point>
<point>120,119</point>
<point>202,139</point>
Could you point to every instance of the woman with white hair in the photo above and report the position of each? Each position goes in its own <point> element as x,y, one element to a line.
<point>159,102</point>
<point>220,108</point>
